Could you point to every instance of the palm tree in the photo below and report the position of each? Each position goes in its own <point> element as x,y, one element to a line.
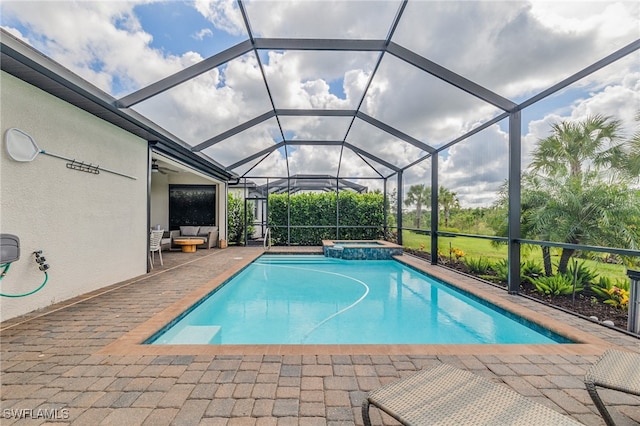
<point>632,166</point>
<point>418,195</point>
<point>448,201</point>
<point>574,148</point>
<point>534,197</point>
<point>587,211</point>
<point>579,207</point>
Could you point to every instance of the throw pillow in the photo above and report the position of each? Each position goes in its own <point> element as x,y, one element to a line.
<point>189,231</point>
<point>204,230</point>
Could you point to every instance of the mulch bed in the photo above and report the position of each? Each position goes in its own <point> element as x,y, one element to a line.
<point>585,303</point>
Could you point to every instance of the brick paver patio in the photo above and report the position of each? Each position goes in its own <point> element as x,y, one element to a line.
<point>63,365</point>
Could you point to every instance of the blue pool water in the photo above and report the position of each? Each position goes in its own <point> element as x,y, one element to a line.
<point>319,300</point>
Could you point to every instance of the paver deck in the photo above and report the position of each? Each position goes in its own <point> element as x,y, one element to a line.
<point>80,361</point>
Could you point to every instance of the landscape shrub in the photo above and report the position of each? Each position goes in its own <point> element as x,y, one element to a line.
<point>582,273</point>
<point>235,218</point>
<point>614,293</point>
<point>501,268</point>
<point>315,214</point>
<point>556,285</point>
<point>479,265</point>
<point>530,270</point>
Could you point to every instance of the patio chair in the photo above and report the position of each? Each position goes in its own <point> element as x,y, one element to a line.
<point>615,370</point>
<point>445,395</point>
<point>155,245</point>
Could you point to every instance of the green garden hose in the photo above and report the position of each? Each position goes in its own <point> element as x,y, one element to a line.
<point>4,272</point>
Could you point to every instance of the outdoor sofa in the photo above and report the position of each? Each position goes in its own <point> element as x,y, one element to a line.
<point>207,233</point>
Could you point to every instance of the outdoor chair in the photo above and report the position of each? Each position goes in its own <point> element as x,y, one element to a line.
<point>445,395</point>
<point>165,242</point>
<point>615,370</point>
<point>155,245</point>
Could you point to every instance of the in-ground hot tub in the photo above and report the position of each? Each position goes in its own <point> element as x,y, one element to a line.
<point>360,249</point>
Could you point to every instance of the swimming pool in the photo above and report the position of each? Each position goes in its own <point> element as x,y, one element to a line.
<point>318,300</point>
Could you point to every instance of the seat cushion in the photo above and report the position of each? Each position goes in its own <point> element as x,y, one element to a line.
<point>205,230</point>
<point>189,231</point>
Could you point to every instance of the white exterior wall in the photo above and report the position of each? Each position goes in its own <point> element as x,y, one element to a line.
<point>160,200</point>
<point>92,229</point>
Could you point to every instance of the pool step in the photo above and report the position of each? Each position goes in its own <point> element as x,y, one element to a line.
<point>197,334</point>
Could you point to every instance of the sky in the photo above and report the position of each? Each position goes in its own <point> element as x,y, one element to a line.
<point>514,48</point>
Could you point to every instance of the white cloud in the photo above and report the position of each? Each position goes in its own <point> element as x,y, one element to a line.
<point>223,14</point>
<point>382,145</point>
<point>316,128</point>
<point>204,107</point>
<point>614,19</point>
<point>476,167</point>
<point>252,141</point>
<point>620,101</point>
<point>325,160</point>
<point>273,165</point>
<point>301,79</point>
<point>421,105</point>
<point>317,19</point>
<point>515,48</point>
<point>100,41</point>
<point>205,32</point>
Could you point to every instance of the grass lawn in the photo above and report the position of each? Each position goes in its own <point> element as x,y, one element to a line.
<point>475,248</point>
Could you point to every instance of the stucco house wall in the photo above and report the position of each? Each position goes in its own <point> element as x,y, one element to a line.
<point>160,200</point>
<point>91,228</point>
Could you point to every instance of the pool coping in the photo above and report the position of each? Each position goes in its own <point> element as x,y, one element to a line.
<point>363,243</point>
<point>132,343</point>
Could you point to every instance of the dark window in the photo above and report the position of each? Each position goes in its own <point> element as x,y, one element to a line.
<point>192,205</point>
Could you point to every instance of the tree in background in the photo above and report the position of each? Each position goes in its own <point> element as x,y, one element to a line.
<point>632,166</point>
<point>576,148</point>
<point>235,218</point>
<point>576,189</point>
<point>448,200</point>
<point>582,166</point>
<point>392,207</point>
<point>587,211</point>
<point>418,195</point>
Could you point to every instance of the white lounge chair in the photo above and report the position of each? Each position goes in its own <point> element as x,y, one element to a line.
<point>445,395</point>
<point>615,370</point>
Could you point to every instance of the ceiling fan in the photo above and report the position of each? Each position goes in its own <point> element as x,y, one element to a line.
<point>161,169</point>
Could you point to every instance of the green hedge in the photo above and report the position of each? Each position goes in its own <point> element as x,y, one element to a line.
<point>235,219</point>
<point>315,210</point>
